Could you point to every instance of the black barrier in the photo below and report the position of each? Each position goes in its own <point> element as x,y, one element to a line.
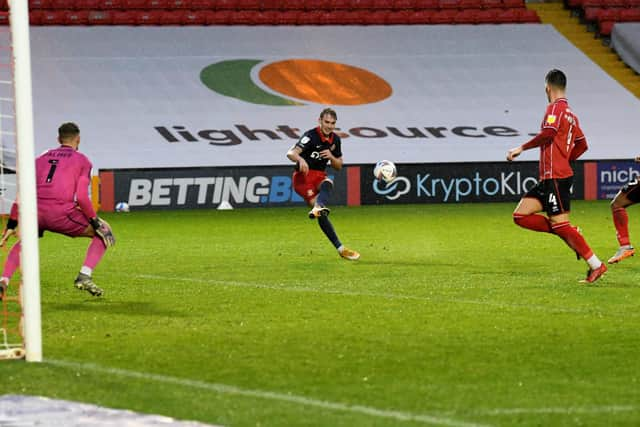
<point>190,188</point>
<point>457,183</point>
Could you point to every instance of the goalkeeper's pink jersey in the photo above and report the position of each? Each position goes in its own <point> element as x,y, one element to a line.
<point>63,176</point>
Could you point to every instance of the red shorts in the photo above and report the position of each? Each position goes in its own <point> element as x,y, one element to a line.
<point>63,218</point>
<point>307,186</point>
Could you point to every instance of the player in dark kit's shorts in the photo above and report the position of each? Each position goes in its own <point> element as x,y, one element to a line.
<point>628,195</point>
<point>561,141</point>
<point>316,149</point>
<point>553,194</point>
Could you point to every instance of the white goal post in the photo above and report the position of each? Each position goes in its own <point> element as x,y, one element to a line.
<point>26,181</point>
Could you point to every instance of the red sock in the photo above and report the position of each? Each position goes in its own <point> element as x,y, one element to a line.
<point>570,235</point>
<point>533,222</point>
<point>621,221</point>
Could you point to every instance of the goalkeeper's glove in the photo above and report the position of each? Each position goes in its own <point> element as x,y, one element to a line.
<point>9,231</point>
<point>103,230</point>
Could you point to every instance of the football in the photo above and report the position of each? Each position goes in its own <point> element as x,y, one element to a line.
<point>385,170</point>
<point>122,207</point>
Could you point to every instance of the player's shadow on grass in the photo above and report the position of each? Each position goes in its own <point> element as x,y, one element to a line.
<point>116,307</point>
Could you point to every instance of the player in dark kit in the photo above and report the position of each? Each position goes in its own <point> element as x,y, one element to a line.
<point>627,196</point>
<point>560,140</point>
<point>316,149</point>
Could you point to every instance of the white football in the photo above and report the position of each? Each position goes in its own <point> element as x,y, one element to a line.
<point>385,170</point>
<point>122,207</point>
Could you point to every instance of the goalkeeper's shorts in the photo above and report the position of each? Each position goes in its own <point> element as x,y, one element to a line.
<point>63,218</point>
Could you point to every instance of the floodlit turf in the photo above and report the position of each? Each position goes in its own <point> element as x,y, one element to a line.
<point>453,316</point>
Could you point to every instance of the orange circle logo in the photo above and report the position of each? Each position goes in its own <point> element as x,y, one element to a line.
<point>311,80</point>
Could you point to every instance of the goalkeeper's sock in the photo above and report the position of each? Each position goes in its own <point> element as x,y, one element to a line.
<point>12,262</point>
<point>325,193</point>
<point>86,270</point>
<point>94,253</point>
<point>327,229</point>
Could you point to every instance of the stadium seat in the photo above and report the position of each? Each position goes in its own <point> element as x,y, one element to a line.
<point>35,17</point>
<point>466,16</point>
<point>339,5</point>
<point>249,4</point>
<point>271,4</point>
<point>590,14</point>
<point>513,4</point>
<point>382,4</point>
<point>135,4</point>
<point>39,4</point>
<point>449,4</point>
<point>311,17</point>
<point>377,17</point>
<point>226,4</point>
<point>470,4</point>
<point>444,16</point>
<point>593,3</point>
<point>219,17</point>
<point>147,17</point>
<point>61,4</point>
<point>88,4</point>
<point>241,17</point>
<point>487,16</point>
<point>4,18</point>
<point>361,4</point>
<point>112,4</point>
<point>420,17</point>
<point>527,16</point>
<point>52,17</point>
<point>398,17</point>
<point>507,16</point>
<point>202,4</point>
<point>287,17</point>
<point>123,17</point>
<point>426,4</point>
<point>605,28</point>
<point>99,17</point>
<point>491,4</point>
<point>292,4</point>
<point>608,14</point>
<point>615,3</point>
<point>157,4</point>
<point>318,5</point>
<point>172,17</point>
<point>633,3</point>
<point>402,4</point>
<point>265,17</point>
<point>76,17</point>
<point>194,17</point>
<point>178,4</point>
<point>629,15</point>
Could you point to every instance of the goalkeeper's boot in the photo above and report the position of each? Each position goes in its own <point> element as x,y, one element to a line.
<point>349,254</point>
<point>318,211</point>
<point>595,273</point>
<point>84,283</point>
<point>622,253</point>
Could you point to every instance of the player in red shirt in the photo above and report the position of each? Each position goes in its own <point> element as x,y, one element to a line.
<point>316,149</point>
<point>560,140</point>
<point>628,195</point>
<point>62,185</point>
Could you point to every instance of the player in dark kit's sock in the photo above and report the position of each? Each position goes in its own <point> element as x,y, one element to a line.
<point>327,229</point>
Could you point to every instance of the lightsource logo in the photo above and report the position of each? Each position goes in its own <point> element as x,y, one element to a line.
<point>293,81</point>
<point>396,188</point>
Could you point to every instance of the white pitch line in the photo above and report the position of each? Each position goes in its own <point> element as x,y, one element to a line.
<point>557,410</point>
<point>268,395</point>
<point>385,295</point>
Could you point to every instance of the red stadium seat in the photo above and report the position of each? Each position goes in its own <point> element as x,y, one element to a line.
<point>99,17</point>
<point>39,4</point>
<point>134,4</point>
<point>123,17</point>
<point>420,17</point>
<point>633,3</point>
<point>311,17</point>
<point>4,18</point>
<point>61,4</point>
<point>615,3</point>
<point>226,4</point>
<point>157,4</point>
<point>339,5</point>
<point>88,4</point>
<point>178,4</point>
<point>507,16</point>
<point>491,4</point>
<point>467,16</point>
<point>266,17</point>
<point>470,4</point>
<point>112,4</point>
<point>377,17</point>
<point>287,17</point>
<point>382,4</point>
<point>249,4</point>
<point>77,17</point>
<point>398,17</point>
<point>194,17</point>
<point>449,4</point>
<point>426,4</point>
<point>605,28</point>
<point>35,17</point>
<point>528,16</point>
<point>219,17</point>
<point>629,15</point>
<point>319,5</point>
<point>172,17</point>
<point>514,4</point>
<point>593,3</point>
<point>591,14</point>
<point>202,4</point>
<point>361,4</point>
<point>292,4</point>
<point>402,4</point>
<point>53,17</point>
<point>148,17</point>
<point>271,4</point>
<point>609,14</point>
<point>487,16</point>
<point>444,16</point>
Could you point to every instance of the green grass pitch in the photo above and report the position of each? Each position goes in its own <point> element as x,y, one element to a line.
<point>453,316</point>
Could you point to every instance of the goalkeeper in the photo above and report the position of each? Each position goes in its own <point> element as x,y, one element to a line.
<point>62,184</point>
